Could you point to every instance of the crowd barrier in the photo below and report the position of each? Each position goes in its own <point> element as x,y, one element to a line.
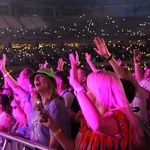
<point>12,142</point>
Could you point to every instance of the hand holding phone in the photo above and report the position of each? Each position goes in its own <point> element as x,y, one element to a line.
<point>40,107</point>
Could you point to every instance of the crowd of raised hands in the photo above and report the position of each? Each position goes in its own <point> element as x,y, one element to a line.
<point>94,115</point>
<point>113,110</point>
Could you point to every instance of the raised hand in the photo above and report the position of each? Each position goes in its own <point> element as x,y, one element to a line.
<point>88,57</point>
<point>90,63</point>
<point>3,63</point>
<point>101,47</point>
<point>137,57</point>
<point>44,65</point>
<point>77,58</point>
<point>60,64</point>
<point>73,79</point>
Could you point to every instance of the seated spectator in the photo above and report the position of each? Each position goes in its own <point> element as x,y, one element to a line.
<point>44,82</point>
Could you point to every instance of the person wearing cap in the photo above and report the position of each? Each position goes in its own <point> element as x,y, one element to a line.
<point>44,82</point>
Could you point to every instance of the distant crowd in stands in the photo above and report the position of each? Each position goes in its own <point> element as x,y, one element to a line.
<point>108,27</point>
<point>34,56</point>
<point>81,107</point>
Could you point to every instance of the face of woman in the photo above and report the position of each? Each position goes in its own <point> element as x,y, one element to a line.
<point>41,82</point>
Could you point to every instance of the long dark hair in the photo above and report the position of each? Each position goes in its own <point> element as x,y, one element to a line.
<point>4,101</point>
<point>53,87</point>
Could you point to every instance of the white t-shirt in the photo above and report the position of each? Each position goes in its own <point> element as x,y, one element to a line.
<point>145,83</point>
<point>68,98</point>
<point>140,100</point>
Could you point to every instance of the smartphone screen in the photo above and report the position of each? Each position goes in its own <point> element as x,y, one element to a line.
<point>40,107</point>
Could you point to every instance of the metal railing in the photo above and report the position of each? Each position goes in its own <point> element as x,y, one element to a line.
<point>12,142</point>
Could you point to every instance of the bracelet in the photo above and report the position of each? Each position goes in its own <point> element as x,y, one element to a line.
<point>5,75</point>
<point>57,132</point>
<point>78,90</point>
<point>137,63</point>
<point>109,58</point>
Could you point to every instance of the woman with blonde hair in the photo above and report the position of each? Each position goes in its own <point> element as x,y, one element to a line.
<point>113,104</point>
<point>109,122</point>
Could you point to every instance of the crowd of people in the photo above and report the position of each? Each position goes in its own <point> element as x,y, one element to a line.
<point>81,28</point>
<point>81,107</point>
<point>34,56</point>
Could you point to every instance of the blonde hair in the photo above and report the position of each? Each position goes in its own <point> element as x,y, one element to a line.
<point>109,92</point>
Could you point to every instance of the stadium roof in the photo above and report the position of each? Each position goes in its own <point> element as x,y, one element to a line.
<point>81,2</point>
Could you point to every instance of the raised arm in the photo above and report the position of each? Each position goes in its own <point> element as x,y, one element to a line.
<point>139,74</point>
<point>102,50</point>
<point>90,63</point>
<point>60,64</point>
<point>44,65</point>
<point>98,123</point>
<point>11,81</point>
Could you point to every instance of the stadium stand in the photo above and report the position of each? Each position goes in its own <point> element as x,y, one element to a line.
<point>27,22</point>
<point>13,23</point>
<point>38,22</point>
<point>3,23</point>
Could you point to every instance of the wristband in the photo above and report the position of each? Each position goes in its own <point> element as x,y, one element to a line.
<point>57,132</point>
<point>109,58</point>
<point>81,88</point>
<point>137,63</point>
<point>5,75</point>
